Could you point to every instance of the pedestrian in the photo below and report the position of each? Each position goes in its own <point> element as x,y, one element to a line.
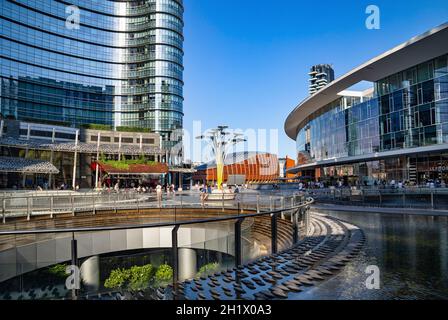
<point>203,196</point>
<point>159,195</point>
<point>168,190</point>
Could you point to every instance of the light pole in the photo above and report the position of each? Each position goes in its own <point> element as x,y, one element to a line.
<point>75,156</point>
<point>221,140</point>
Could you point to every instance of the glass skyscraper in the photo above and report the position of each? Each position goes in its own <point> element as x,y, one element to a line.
<point>120,66</point>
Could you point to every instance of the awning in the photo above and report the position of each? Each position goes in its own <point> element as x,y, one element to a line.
<point>22,165</point>
<point>133,169</point>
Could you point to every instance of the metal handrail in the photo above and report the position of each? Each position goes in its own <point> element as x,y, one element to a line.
<point>111,200</point>
<point>156,225</point>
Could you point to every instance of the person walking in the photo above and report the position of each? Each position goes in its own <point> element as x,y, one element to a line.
<point>203,196</point>
<point>159,195</point>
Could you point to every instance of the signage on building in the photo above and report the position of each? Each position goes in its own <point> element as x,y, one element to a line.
<point>441,168</point>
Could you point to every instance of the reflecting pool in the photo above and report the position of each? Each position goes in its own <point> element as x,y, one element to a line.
<point>411,252</point>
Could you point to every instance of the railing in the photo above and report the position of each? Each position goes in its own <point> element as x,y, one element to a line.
<point>294,208</point>
<point>52,204</point>
<point>409,197</point>
<point>16,205</point>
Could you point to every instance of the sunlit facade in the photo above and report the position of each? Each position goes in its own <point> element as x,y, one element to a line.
<point>399,132</point>
<point>121,66</point>
<point>250,167</point>
<point>408,109</point>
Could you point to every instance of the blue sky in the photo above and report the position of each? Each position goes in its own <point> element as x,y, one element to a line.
<point>247,61</point>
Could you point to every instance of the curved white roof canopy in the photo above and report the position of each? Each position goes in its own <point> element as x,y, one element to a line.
<point>427,46</point>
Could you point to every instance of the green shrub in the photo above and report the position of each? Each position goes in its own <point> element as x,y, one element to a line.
<point>94,126</point>
<point>164,275</point>
<point>133,129</point>
<point>58,270</point>
<point>135,278</point>
<point>208,268</point>
<point>141,277</point>
<point>117,279</point>
<point>124,164</point>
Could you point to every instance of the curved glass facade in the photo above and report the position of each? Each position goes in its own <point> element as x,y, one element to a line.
<point>121,66</point>
<point>407,110</point>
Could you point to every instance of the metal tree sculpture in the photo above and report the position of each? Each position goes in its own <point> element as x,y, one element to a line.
<point>221,140</point>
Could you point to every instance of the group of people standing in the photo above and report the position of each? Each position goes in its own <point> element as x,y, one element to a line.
<point>159,192</point>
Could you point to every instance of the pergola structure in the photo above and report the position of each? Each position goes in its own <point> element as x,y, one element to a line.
<point>76,147</point>
<point>132,172</point>
<point>24,166</point>
<point>81,147</point>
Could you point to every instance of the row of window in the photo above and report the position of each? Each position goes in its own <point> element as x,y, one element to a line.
<point>130,140</point>
<point>168,105</point>
<point>158,36</point>
<point>62,62</point>
<point>409,117</point>
<point>420,137</point>
<point>398,169</point>
<point>52,90</point>
<point>47,134</point>
<point>420,73</point>
<point>43,112</point>
<point>47,114</point>
<point>95,51</point>
<point>91,18</point>
<point>18,70</point>
<point>58,26</point>
<point>118,8</point>
<point>101,54</point>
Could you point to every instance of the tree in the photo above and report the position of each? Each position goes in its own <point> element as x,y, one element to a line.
<point>208,268</point>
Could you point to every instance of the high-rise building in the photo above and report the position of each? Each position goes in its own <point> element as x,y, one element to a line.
<point>79,62</point>
<point>320,76</point>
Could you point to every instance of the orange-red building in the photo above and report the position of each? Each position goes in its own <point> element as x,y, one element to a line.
<point>285,164</point>
<point>254,166</point>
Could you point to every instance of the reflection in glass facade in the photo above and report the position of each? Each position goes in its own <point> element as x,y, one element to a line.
<point>123,66</point>
<point>407,110</point>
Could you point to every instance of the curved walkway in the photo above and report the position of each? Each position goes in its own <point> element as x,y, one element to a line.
<point>330,245</point>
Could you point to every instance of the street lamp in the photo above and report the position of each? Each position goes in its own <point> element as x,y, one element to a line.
<point>221,140</point>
